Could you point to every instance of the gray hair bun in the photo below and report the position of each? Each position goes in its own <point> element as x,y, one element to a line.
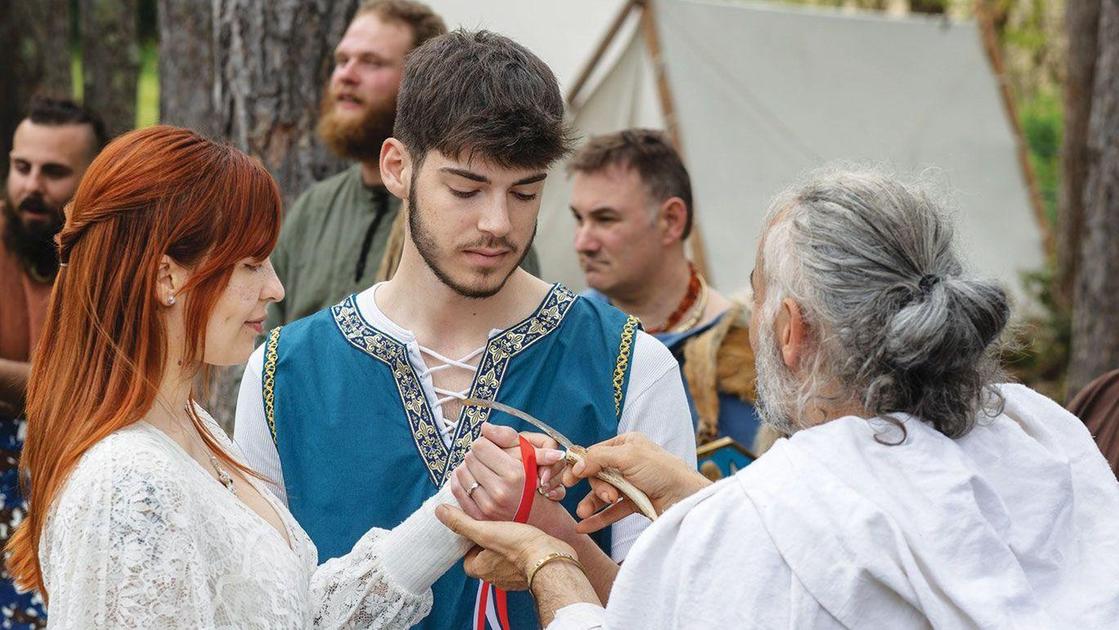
<point>895,319</point>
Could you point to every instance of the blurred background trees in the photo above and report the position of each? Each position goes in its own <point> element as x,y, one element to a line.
<point>110,60</point>
<point>1092,183</point>
<point>252,73</point>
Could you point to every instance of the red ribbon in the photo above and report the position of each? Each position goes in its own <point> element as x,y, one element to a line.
<point>528,494</point>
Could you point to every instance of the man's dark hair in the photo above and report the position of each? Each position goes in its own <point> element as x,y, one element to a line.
<point>647,151</point>
<point>425,23</point>
<point>467,93</point>
<point>45,110</point>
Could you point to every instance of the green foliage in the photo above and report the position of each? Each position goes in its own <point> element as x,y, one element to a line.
<point>1042,119</point>
<point>147,87</point>
<point>1029,33</point>
<point>77,87</point>
<point>1040,352</point>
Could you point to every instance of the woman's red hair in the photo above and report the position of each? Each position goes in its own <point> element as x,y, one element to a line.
<point>99,362</point>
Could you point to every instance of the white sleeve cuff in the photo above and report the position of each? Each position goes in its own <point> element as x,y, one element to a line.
<point>580,616</point>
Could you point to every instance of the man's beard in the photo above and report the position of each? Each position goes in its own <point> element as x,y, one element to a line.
<point>777,388</point>
<point>356,138</point>
<point>34,245</point>
<point>429,251</point>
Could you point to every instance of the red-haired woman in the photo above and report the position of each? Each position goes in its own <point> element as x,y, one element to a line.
<point>141,514</point>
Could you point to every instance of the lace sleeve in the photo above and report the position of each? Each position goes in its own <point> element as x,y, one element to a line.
<point>119,549</point>
<point>355,591</point>
<point>385,582</point>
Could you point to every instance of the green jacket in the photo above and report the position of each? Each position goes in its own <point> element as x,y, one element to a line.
<point>320,257</point>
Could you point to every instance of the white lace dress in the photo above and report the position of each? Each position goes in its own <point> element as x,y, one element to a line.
<point>142,536</point>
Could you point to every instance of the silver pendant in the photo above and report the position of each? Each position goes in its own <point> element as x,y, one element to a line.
<point>223,475</point>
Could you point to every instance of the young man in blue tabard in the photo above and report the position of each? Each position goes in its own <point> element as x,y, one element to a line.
<point>356,410</point>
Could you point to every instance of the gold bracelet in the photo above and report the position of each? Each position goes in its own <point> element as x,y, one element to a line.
<point>555,555</point>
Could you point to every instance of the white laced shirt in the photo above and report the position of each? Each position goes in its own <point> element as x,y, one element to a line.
<point>143,536</point>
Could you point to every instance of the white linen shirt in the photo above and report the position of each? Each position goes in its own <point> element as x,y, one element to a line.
<point>1013,525</point>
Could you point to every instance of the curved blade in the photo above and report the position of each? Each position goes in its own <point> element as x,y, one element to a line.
<point>517,413</point>
<point>575,454</point>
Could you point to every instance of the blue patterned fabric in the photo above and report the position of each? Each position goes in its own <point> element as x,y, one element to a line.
<point>17,610</point>
<point>358,442</point>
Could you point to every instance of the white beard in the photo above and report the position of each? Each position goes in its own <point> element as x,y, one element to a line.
<point>776,387</point>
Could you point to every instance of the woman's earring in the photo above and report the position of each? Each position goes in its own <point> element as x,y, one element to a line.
<point>170,300</point>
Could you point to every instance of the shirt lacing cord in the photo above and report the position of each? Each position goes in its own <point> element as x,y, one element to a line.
<point>449,424</point>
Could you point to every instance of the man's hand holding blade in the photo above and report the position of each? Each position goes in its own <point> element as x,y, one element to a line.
<point>663,477</point>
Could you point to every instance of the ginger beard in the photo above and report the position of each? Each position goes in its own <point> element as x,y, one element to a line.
<point>484,284</point>
<point>356,137</point>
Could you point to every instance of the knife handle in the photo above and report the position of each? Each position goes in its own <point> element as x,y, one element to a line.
<point>613,477</point>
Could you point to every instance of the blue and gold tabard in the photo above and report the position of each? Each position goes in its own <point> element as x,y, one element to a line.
<point>358,441</point>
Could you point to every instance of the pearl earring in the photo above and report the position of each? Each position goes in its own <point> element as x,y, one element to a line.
<point>170,300</point>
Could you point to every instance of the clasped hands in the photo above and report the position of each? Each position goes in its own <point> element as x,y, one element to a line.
<point>488,486</point>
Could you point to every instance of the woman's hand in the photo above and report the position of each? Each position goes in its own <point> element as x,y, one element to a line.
<point>489,483</point>
<point>505,551</point>
<point>662,476</point>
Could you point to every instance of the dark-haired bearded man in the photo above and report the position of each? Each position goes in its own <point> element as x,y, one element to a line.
<point>51,148</point>
<point>358,409</point>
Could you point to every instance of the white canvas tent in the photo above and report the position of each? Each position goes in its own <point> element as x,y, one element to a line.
<point>758,94</point>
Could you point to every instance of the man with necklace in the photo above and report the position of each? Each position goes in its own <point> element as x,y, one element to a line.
<point>632,203</point>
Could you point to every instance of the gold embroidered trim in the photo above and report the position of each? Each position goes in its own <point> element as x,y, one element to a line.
<point>440,460</point>
<point>270,357</point>
<point>622,365</point>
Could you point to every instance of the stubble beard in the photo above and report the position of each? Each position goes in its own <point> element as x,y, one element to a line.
<point>429,251</point>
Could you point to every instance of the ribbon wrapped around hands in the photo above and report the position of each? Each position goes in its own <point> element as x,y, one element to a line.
<point>482,610</point>
<point>575,454</point>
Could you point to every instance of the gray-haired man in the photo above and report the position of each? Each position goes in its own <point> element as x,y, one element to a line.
<point>914,492</point>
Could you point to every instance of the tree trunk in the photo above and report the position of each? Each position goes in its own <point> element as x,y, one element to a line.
<point>932,7</point>
<point>1082,23</point>
<point>186,65</point>
<point>56,46</point>
<point>110,61</point>
<point>275,59</point>
<point>252,73</point>
<point>37,35</point>
<point>1095,327</point>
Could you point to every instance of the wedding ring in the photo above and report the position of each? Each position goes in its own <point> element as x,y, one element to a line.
<point>470,491</point>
